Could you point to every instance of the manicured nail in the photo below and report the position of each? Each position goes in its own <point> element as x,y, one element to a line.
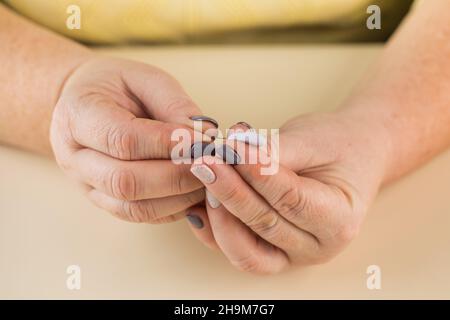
<point>203,173</point>
<point>212,201</point>
<point>245,124</point>
<point>228,154</point>
<point>250,137</point>
<point>201,148</point>
<point>195,221</point>
<point>207,119</point>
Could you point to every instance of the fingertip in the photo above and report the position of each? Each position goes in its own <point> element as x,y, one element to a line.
<point>212,201</point>
<point>199,223</point>
<point>204,124</point>
<point>204,120</point>
<point>239,127</point>
<point>195,220</point>
<point>203,172</point>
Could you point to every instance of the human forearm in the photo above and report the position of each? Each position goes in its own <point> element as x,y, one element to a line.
<point>407,93</point>
<point>35,64</point>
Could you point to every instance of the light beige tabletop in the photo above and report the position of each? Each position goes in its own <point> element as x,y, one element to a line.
<point>46,224</point>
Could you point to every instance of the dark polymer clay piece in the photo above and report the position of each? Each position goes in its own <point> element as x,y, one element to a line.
<point>201,148</point>
<point>228,154</point>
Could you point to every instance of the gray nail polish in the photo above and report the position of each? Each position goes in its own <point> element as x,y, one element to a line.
<point>212,201</point>
<point>201,148</point>
<point>195,221</point>
<point>205,118</point>
<point>245,124</point>
<point>228,154</point>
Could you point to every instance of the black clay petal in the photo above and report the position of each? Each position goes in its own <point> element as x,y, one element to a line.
<point>228,154</point>
<point>202,148</point>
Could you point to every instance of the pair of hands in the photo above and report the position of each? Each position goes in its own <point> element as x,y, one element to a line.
<point>111,131</point>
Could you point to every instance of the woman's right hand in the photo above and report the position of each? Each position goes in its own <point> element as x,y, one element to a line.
<point>111,130</point>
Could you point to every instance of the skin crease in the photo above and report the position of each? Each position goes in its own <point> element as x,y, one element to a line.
<point>331,165</point>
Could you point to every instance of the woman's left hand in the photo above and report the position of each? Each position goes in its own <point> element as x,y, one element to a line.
<point>331,168</point>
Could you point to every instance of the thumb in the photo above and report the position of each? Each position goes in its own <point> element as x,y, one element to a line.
<point>163,98</point>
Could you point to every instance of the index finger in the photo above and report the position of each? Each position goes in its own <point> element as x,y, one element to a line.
<point>243,202</point>
<point>112,130</point>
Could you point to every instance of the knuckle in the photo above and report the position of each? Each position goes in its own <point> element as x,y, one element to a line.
<point>177,180</point>
<point>179,104</point>
<point>128,212</point>
<point>148,210</point>
<point>254,174</point>
<point>162,141</point>
<point>290,203</point>
<point>121,143</point>
<point>123,184</point>
<point>247,264</point>
<point>138,212</point>
<point>195,197</point>
<point>232,195</point>
<point>264,223</point>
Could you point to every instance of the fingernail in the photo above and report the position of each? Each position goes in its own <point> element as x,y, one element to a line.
<point>228,154</point>
<point>201,148</point>
<point>203,173</point>
<point>250,137</point>
<point>212,201</point>
<point>207,119</point>
<point>245,124</point>
<point>195,221</point>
